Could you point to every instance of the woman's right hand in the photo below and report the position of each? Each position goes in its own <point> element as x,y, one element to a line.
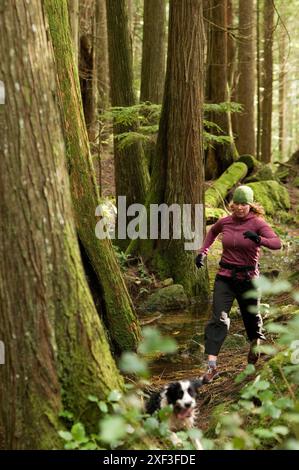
<point>199,260</point>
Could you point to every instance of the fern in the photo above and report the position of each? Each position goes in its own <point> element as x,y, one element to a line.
<point>146,116</point>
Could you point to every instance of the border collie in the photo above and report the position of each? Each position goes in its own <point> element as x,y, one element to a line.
<point>182,396</point>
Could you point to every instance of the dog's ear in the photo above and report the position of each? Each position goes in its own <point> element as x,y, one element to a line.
<point>197,383</point>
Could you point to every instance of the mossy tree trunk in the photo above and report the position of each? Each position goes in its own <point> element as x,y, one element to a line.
<point>117,306</point>
<point>246,82</point>
<point>56,348</point>
<point>131,173</point>
<point>73,8</point>
<point>178,174</point>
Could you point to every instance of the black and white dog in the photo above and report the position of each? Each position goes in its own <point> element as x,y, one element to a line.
<point>182,396</point>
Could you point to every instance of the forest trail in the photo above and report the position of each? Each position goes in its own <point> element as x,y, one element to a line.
<point>232,360</point>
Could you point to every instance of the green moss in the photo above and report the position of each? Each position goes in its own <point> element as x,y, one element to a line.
<point>271,195</point>
<point>251,162</point>
<point>213,214</point>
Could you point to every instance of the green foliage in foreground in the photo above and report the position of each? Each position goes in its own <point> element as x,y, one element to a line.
<point>266,416</point>
<point>123,423</point>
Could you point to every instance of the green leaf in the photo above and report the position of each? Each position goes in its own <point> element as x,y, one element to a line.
<point>130,363</point>
<point>89,446</point>
<point>283,430</point>
<point>112,429</point>
<point>65,435</point>
<point>115,395</point>
<point>103,406</point>
<point>78,432</point>
<point>264,433</point>
<point>71,445</point>
<point>154,342</point>
<point>66,414</point>
<point>93,398</point>
<point>151,424</point>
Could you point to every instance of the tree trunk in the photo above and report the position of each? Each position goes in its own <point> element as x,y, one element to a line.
<point>73,8</point>
<point>153,51</point>
<point>267,82</point>
<point>88,69</point>
<point>282,94</point>
<point>246,83</point>
<point>258,84</point>
<point>178,175</point>
<point>102,54</point>
<point>131,174</point>
<point>117,306</point>
<point>56,349</point>
<point>217,79</point>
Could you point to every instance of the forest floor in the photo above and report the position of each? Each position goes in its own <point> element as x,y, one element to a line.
<point>183,324</point>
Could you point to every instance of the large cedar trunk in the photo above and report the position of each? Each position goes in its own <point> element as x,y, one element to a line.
<point>117,305</point>
<point>56,349</point>
<point>178,174</point>
<point>266,138</point>
<point>153,51</point>
<point>246,82</point>
<point>131,174</point>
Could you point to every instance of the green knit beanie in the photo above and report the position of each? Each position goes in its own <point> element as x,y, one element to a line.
<point>243,195</point>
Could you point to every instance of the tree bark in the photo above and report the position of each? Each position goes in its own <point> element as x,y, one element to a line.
<point>88,69</point>
<point>178,174</point>
<point>282,94</point>
<point>217,80</point>
<point>102,54</point>
<point>153,51</point>
<point>258,83</point>
<point>56,349</point>
<point>267,82</point>
<point>117,305</point>
<point>131,174</point>
<point>73,8</point>
<point>246,83</point>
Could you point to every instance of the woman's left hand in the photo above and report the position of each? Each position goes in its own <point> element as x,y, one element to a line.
<point>253,236</point>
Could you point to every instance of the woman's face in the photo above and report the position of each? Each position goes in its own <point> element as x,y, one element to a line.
<point>240,210</point>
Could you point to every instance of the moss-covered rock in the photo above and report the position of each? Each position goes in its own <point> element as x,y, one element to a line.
<point>168,298</point>
<point>271,195</point>
<point>213,214</point>
<point>265,173</point>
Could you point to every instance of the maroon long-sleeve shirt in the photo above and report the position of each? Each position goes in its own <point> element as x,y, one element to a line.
<point>238,250</point>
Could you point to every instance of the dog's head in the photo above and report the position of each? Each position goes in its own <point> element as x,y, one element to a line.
<point>182,395</point>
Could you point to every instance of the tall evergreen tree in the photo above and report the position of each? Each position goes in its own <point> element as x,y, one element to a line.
<point>117,305</point>
<point>178,173</point>
<point>56,348</point>
<point>246,82</point>
<point>153,51</point>
<point>221,155</point>
<point>131,173</point>
<point>267,105</point>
